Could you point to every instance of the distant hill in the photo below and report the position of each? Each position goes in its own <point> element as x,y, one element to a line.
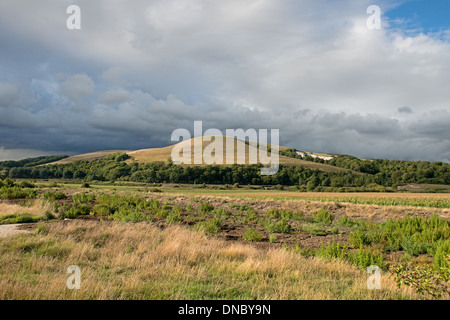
<point>164,153</point>
<point>31,162</point>
<point>301,169</point>
<point>88,156</point>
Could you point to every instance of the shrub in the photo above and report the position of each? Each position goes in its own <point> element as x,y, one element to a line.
<point>101,210</point>
<point>12,193</point>
<point>210,227</point>
<point>252,216</point>
<point>58,210</point>
<point>277,227</point>
<point>364,257</point>
<point>345,221</point>
<point>129,215</point>
<point>173,218</point>
<point>298,215</point>
<point>73,211</point>
<point>333,251</point>
<point>335,230</point>
<point>441,254</point>
<point>206,207</point>
<point>283,227</point>
<point>413,247</point>
<point>31,194</point>
<point>26,217</point>
<point>279,213</point>
<point>162,213</point>
<point>19,218</point>
<point>427,281</point>
<point>413,235</point>
<point>152,204</point>
<point>110,204</point>
<point>7,183</point>
<point>314,229</point>
<point>272,213</point>
<point>49,215</point>
<point>223,212</point>
<point>323,216</point>
<point>49,195</point>
<point>83,197</point>
<point>359,238</point>
<point>166,206</point>
<point>26,184</point>
<point>252,235</point>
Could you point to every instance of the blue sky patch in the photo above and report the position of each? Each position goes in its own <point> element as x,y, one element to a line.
<point>425,16</point>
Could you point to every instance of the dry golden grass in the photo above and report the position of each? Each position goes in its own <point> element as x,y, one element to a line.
<point>163,154</point>
<point>36,209</point>
<point>141,261</point>
<point>151,155</point>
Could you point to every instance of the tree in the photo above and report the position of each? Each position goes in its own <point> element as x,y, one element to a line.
<point>67,174</point>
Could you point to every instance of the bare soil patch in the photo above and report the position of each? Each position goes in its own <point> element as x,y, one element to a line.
<point>7,230</point>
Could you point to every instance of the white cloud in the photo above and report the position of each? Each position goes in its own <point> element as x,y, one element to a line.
<point>310,68</point>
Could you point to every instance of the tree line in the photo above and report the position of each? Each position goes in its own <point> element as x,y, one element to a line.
<point>379,173</point>
<point>388,172</point>
<point>30,162</point>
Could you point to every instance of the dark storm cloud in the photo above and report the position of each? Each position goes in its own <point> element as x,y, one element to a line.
<point>405,109</point>
<point>136,72</point>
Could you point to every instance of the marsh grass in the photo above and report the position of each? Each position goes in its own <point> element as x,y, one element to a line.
<point>140,261</point>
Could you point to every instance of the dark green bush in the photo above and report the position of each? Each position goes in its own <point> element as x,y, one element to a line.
<point>210,226</point>
<point>12,193</point>
<point>252,235</point>
<point>279,213</point>
<point>83,197</point>
<point>277,226</point>
<point>314,229</point>
<point>49,195</point>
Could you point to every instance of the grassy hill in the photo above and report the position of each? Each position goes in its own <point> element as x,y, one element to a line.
<point>88,156</point>
<point>165,153</point>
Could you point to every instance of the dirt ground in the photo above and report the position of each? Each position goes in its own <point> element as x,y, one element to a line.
<point>232,231</point>
<point>10,229</point>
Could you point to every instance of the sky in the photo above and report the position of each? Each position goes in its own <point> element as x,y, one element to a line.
<point>137,70</point>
